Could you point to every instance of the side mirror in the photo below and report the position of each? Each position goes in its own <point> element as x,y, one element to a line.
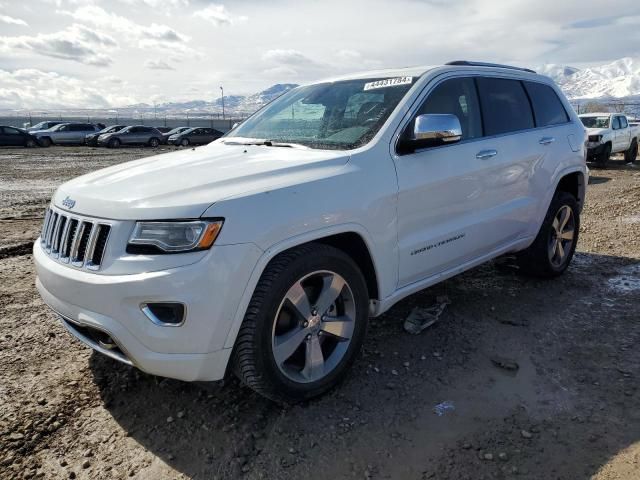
<point>437,128</point>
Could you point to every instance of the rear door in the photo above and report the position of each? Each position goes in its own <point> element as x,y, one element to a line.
<point>624,133</point>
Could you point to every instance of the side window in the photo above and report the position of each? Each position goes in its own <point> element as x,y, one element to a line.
<point>623,122</point>
<point>547,107</point>
<point>505,106</point>
<point>458,97</point>
<point>616,123</point>
<point>134,130</point>
<point>11,131</point>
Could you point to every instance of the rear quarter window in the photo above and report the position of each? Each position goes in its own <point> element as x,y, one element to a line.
<point>547,107</point>
<point>505,106</point>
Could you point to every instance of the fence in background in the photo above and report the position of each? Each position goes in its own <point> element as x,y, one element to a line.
<point>154,121</point>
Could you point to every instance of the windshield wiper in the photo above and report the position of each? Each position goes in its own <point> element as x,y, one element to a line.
<point>261,142</point>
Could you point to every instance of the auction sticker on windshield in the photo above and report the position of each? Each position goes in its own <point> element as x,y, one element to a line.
<point>388,82</point>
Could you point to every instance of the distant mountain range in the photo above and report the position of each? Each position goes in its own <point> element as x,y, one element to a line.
<point>615,80</point>
<point>234,105</point>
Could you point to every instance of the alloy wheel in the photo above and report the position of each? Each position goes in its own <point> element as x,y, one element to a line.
<point>314,326</point>
<point>562,235</point>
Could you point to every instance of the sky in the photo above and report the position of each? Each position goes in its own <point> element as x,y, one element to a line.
<point>110,53</point>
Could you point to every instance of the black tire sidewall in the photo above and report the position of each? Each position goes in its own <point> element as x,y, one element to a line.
<point>338,263</point>
<point>184,142</point>
<point>115,143</point>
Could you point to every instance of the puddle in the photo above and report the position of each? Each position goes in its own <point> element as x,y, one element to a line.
<point>628,280</point>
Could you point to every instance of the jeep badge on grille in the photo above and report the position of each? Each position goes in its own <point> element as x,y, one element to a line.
<point>68,202</point>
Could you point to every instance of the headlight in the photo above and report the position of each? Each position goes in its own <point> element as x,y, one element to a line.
<point>173,237</point>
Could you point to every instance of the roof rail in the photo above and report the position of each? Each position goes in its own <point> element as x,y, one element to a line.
<point>484,64</point>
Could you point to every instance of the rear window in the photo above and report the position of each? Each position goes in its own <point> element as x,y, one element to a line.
<point>547,107</point>
<point>505,106</point>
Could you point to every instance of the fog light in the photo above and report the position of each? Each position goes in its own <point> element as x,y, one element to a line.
<point>165,314</point>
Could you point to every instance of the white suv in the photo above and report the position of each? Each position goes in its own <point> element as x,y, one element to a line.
<point>265,252</point>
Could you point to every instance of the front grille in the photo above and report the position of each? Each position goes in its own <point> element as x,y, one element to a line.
<point>80,242</point>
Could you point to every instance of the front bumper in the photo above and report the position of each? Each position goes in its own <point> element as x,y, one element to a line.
<point>594,149</point>
<point>93,304</point>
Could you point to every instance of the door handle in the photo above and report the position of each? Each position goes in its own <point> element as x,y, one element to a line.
<point>484,154</point>
<point>546,140</point>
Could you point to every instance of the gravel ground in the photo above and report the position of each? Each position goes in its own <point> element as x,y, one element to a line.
<point>565,406</point>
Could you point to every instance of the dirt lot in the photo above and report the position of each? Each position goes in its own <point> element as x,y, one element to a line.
<point>569,410</point>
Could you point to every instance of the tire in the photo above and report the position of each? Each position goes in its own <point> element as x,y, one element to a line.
<point>631,154</point>
<point>314,358</point>
<point>603,158</point>
<point>184,142</point>
<point>114,143</point>
<point>544,258</point>
<point>45,142</point>
<point>30,143</point>
<point>154,142</point>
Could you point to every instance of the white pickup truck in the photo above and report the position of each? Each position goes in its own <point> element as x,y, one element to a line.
<point>610,133</point>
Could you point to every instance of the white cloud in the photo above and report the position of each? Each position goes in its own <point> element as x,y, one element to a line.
<point>13,21</point>
<point>77,43</point>
<point>286,56</point>
<point>218,15</point>
<point>33,88</point>
<point>157,65</point>
<point>154,36</point>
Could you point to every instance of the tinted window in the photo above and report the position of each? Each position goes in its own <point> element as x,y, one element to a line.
<point>456,97</point>
<point>616,123</point>
<point>11,131</point>
<point>505,106</point>
<point>623,122</point>
<point>547,107</point>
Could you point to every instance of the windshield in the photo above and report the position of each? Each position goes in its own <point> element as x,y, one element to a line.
<point>595,122</point>
<point>340,116</point>
<point>178,129</point>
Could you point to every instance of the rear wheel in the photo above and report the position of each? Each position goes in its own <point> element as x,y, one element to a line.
<point>603,158</point>
<point>30,143</point>
<point>154,142</point>
<point>304,326</point>
<point>114,143</point>
<point>45,142</point>
<point>551,252</point>
<point>631,154</point>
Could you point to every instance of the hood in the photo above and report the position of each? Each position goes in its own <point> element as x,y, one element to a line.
<point>185,183</point>
<point>597,131</point>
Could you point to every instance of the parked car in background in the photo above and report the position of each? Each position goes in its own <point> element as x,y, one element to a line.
<point>265,253</point>
<point>195,136</point>
<point>173,131</point>
<point>164,129</point>
<point>133,135</point>
<point>610,133</point>
<point>43,126</point>
<point>16,137</point>
<point>91,139</point>
<point>65,134</point>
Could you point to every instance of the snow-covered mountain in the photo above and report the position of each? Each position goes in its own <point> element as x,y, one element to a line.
<point>617,79</point>
<point>233,104</point>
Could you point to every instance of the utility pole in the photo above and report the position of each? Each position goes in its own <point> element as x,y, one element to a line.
<point>222,93</point>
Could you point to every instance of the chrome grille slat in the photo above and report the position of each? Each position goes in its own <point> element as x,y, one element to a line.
<point>81,242</point>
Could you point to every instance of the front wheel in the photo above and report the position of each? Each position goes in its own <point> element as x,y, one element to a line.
<point>45,142</point>
<point>304,326</point>
<point>114,143</point>
<point>551,252</point>
<point>603,158</point>
<point>184,142</point>
<point>154,142</point>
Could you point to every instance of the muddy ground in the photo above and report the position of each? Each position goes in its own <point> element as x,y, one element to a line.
<point>569,411</point>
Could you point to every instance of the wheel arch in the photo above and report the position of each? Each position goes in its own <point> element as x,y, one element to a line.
<point>352,239</point>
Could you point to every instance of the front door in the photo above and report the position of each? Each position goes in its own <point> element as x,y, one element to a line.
<point>460,201</point>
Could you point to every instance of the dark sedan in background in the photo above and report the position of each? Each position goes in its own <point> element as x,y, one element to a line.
<point>133,135</point>
<point>173,131</point>
<point>92,138</point>
<point>195,136</point>
<point>16,137</point>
